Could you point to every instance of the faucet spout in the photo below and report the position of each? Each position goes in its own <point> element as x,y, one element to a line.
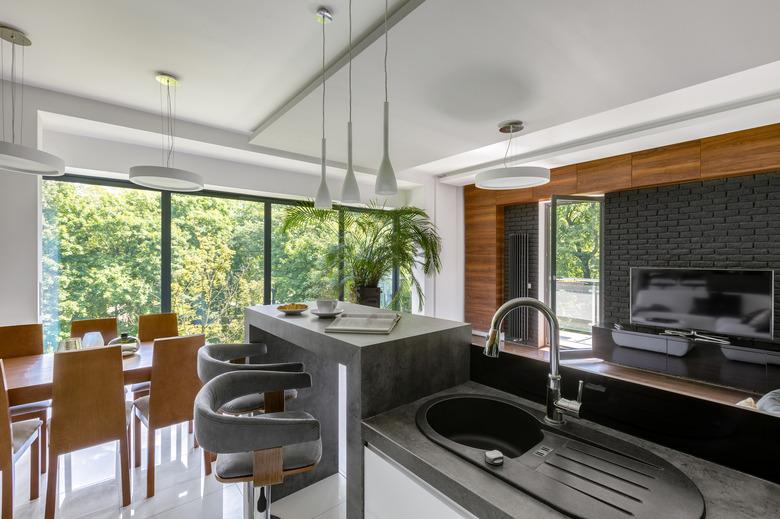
<point>555,404</point>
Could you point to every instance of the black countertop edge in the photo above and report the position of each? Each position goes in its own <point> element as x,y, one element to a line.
<point>728,494</point>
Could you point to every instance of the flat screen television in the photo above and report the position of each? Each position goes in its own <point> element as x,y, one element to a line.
<point>738,303</point>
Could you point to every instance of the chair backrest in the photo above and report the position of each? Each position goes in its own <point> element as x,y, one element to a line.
<point>220,433</point>
<point>105,325</point>
<point>20,340</point>
<point>175,381</point>
<point>215,359</point>
<point>88,399</point>
<point>157,326</point>
<point>6,436</point>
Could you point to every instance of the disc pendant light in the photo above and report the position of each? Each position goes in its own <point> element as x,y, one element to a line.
<point>323,200</point>
<point>512,177</point>
<point>15,157</point>
<point>385,178</point>
<point>166,177</point>
<point>350,192</point>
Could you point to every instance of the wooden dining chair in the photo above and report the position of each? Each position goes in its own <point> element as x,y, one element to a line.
<point>19,341</point>
<point>88,409</point>
<point>105,325</point>
<point>152,327</point>
<point>15,439</point>
<point>157,326</point>
<point>175,384</point>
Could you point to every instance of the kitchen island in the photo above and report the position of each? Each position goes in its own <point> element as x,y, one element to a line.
<point>419,357</point>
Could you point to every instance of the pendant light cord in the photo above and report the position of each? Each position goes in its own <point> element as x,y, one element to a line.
<point>323,77</point>
<point>13,93</point>
<point>386,45</point>
<point>350,60</point>
<point>508,144</point>
<point>2,80</point>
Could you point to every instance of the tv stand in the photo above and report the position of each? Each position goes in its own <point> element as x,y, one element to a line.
<point>697,337</point>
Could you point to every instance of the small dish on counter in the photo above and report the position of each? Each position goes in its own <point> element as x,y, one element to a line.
<point>292,308</point>
<point>326,315</point>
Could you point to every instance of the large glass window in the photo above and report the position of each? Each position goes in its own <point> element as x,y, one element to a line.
<point>216,264</point>
<point>100,255</point>
<point>104,243</point>
<point>299,270</point>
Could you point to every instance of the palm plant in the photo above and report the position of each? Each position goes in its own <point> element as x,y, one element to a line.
<point>375,241</point>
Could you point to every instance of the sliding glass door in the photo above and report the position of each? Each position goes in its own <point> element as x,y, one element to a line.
<point>576,265</point>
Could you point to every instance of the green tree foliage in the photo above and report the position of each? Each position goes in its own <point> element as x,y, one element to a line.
<point>101,257</point>
<point>101,250</point>
<point>216,264</point>
<point>578,240</point>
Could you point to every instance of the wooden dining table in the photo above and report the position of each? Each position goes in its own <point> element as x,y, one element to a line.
<point>29,378</point>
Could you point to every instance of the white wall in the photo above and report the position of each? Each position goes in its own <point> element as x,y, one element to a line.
<point>19,248</point>
<point>444,292</point>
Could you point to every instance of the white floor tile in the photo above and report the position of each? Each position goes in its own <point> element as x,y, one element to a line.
<point>88,488</point>
<point>313,500</point>
<point>338,512</point>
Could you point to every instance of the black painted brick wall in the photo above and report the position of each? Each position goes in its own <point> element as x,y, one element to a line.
<point>725,223</point>
<point>519,219</point>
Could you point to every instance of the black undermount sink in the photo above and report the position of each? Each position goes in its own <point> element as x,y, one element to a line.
<point>574,469</point>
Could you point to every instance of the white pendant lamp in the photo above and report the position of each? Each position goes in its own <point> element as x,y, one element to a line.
<point>512,177</point>
<point>350,192</point>
<point>14,156</point>
<point>322,200</point>
<point>385,179</point>
<point>166,177</point>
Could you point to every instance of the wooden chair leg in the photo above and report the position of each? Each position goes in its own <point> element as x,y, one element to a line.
<point>44,444</point>
<point>150,462</point>
<point>207,462</point>
<point>51,486</point>
<point>124,462</point>
<point>35,468</point>
<point>8,490</point>
<point>136,441</point>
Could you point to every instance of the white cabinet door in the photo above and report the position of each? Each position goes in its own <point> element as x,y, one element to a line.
<point>391,491</point>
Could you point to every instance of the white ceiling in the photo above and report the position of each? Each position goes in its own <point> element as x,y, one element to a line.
<point>238,59</point>
<point>457,67</point>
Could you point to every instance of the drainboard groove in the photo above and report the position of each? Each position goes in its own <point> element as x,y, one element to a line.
<point>607,460</point>
<point>593,481</point>
<point>602,501</point>
<point>602,471</point>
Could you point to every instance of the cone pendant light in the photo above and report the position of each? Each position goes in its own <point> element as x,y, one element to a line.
<point>350,192</point>
<point>385,179</point>
<point>323,200</point>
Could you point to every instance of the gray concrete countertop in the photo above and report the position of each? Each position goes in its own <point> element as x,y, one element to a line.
<point>728,494</point>
<point>306,327</point>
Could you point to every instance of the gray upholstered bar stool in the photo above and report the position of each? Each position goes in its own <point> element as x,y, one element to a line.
<point>216,359</point>
<point>259,450</point>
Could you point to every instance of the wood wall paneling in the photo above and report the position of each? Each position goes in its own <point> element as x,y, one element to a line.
<point>604,175</point>
<point>667,165</point>
<point>563,181</point>
<point>738,153</point>
<point>482,266</point>
<point>515,196</point>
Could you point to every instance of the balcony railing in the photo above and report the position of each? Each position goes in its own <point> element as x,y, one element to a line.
<point>577,303</point>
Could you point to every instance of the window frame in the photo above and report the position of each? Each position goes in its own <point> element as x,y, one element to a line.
<point>166,224</point>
